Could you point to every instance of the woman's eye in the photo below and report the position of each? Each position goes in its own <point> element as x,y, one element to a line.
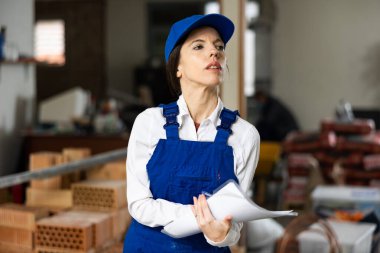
<point>198,47</point>
<point>220,47</point>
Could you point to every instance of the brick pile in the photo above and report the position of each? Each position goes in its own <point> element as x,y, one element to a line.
<point>110,171</point>
<point>54,192</point>
<point>86,215</point>
<point>104,196</point>
<point>346,153</point>
<point>18,227</point>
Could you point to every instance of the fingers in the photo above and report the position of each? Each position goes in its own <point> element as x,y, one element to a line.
<point>216,230</point>
<point>193,210</point>
<point>206,213</point>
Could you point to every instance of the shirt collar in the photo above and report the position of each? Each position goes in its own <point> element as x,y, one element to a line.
<point>184,111</point>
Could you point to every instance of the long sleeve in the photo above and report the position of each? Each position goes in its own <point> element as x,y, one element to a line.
<point>244,172</point>
<point>141,204</point>
<point>145,134</point>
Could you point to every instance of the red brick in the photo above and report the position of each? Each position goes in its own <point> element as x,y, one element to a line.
<point>12,248</point>
<point>16,237</point>
<point>20,216</point>
<point>102,224</point>
<point>115,248</point>
<point>44,160</point>
<point>57,250</point>
<point>71,155</point>
<point>121,219</point>
<point>109,171</point>
<point>49,198</point>
<point>100,195</point>
<point>64,233</point>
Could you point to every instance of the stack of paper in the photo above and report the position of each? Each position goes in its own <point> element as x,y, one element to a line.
<point>229,199</point>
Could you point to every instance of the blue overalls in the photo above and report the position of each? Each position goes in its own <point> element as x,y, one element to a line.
<point>179,170</point>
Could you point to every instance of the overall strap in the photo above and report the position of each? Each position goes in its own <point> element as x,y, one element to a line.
<point>170,112</point>
<point>227,117</point>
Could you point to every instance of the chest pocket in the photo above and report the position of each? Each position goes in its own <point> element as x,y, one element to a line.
<point>189,181</point>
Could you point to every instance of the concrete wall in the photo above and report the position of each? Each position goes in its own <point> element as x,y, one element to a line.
<point>17,82</point>
<point>323,51</point>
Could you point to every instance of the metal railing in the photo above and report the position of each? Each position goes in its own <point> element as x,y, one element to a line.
<point>84,164</point>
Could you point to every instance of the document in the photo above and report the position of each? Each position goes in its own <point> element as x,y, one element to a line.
<point>228,199</point>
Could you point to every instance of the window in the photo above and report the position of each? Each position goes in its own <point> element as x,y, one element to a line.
<point>251,13</point>
<point>50,41</point>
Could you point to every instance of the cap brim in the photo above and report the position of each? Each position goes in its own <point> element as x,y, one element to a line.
<point>222,24</point>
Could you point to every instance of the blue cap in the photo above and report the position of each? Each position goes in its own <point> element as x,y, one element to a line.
<point>181,28</point>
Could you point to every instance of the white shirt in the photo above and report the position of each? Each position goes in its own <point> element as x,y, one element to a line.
<point>146,132</point>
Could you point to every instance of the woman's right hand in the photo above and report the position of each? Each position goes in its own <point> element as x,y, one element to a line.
<point>215,230</point>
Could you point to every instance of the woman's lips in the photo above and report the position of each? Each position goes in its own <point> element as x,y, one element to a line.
<point>214,66</point>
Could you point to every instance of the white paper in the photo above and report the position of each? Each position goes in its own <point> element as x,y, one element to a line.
<point>227,200</point>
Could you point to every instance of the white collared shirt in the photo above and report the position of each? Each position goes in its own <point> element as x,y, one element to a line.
<point>146,132</point>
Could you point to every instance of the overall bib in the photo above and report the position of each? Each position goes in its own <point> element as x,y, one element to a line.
<point>179,170</point>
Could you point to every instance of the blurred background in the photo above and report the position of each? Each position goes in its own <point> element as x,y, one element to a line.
<point>74,74</point>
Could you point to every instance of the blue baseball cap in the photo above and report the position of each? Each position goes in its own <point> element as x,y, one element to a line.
<point>181,28</point>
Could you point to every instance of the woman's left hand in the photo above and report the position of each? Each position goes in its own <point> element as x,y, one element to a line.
<point>215,230</point>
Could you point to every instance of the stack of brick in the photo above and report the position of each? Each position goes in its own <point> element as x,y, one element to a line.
<point>75,231</point>
<point>72,155</point>
<point>299,167</point>
<point>109,171</point>
<point>104,196</point>
<point>18,226</point>
<point>64,234</point>
<point>96,223</point>
<point>54,192</point>
<point>89,215</point>
<point>347,152</point>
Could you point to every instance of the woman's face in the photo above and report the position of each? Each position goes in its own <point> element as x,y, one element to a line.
<point>202,59</point>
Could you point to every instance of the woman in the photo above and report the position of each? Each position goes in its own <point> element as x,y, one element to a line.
<point>187,147</point>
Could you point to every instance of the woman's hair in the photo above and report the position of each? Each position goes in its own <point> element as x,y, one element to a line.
<point>171,70</point>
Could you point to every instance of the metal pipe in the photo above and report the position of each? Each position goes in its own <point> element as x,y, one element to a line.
<point>84,164</point>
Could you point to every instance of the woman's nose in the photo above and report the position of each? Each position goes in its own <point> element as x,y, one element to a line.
<point>214,53</point>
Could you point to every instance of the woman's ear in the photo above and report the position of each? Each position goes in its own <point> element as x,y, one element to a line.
<point>179,73</point>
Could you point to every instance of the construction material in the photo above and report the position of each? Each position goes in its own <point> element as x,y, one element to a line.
<point>110,171</point>
<point>100,195</point>
<point>49,198</point>
<point>55,250</point>
<point>20,216</point>
<point>64,168</point>
<point>71,155</point>
<point>16,237</point>
<point>121,219</point>
<point>41,161</point>
<point>64,233</point>
<point>11,248</point>
<point>102,224</point>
